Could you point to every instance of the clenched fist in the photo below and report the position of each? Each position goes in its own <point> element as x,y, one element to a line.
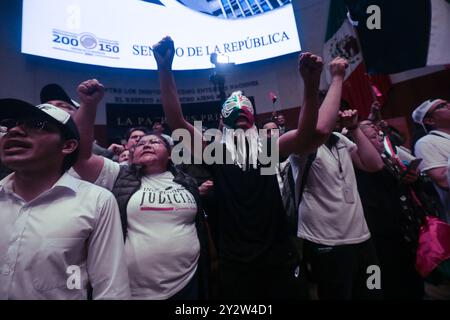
<point>310,67</point>
<point>338,66</point>
<point>164,52</point>
<point>91,92</point>
<point>349,119</point>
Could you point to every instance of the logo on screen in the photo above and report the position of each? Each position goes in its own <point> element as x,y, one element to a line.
<point>88,41</point>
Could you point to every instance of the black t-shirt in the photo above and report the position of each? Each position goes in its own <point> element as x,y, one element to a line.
<point>252,223</point>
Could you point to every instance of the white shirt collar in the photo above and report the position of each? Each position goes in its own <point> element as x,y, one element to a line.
<point>66,181</point>
<point>6,183</point>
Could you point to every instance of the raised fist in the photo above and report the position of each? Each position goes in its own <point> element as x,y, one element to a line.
<point>310,67</point>
<point>338,66</point>
<point>164,52</point>
<point>349,119</point>
<point>91,92</point>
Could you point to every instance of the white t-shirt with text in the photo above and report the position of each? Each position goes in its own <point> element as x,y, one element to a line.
<point>162,246</point>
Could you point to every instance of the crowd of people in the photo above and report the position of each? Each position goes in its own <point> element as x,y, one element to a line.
<point>346,214</point>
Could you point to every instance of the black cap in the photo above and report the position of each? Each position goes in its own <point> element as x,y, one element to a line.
<point>54,91</point>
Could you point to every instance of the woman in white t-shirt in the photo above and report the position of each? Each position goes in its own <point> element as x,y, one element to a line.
<point>159,208</point>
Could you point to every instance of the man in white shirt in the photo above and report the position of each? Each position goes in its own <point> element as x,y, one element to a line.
<point>434,148</point>
<point>331,221</point>
<point>58,235</point>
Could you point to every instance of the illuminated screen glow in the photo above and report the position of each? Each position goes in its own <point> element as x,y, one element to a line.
<point>120,33</point>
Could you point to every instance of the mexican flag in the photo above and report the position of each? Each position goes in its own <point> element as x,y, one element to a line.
<point>359,90</point>
<point>413,34</point>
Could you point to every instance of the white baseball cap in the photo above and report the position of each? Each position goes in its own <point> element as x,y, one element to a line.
<point>420,112</point>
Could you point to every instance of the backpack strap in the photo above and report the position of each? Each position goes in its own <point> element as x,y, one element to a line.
<point>439,135</point>
<point>292,199</point>
<point>304,179</point>
<point>293,218</point>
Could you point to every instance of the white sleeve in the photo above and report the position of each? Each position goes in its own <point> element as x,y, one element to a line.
<point>106,178</point>
<point>106,263</point>
<point>73,173</point>
<point>108,175</point>
<point>431,155</point>
<point>350,145</point>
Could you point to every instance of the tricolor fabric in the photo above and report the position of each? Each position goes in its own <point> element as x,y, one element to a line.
<point>235,139</point>
<point>341,40</point>
<point>237,104</point>
<point>413,34</point>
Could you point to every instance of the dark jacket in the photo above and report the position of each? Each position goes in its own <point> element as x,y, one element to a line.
<point>129,181</point>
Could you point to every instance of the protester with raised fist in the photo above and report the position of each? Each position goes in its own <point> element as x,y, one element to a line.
<point>59,236</point>
<point>256,256</point>
<point>160,210</point>
<point>337,244</point>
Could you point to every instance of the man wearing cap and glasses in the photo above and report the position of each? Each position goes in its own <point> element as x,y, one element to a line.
<point>58,235</point>
<point>54,94</point>
<point>434,148</point>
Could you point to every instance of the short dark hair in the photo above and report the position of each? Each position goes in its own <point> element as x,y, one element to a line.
<point>70,159</point>
<point>131,130</point>
<point>270,120</point>
<point>166,143</point>
<point>428,127</point>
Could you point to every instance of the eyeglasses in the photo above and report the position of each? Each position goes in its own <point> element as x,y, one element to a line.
<point>146,142</point>
<point>442,105</point>
<point>29,124</point>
